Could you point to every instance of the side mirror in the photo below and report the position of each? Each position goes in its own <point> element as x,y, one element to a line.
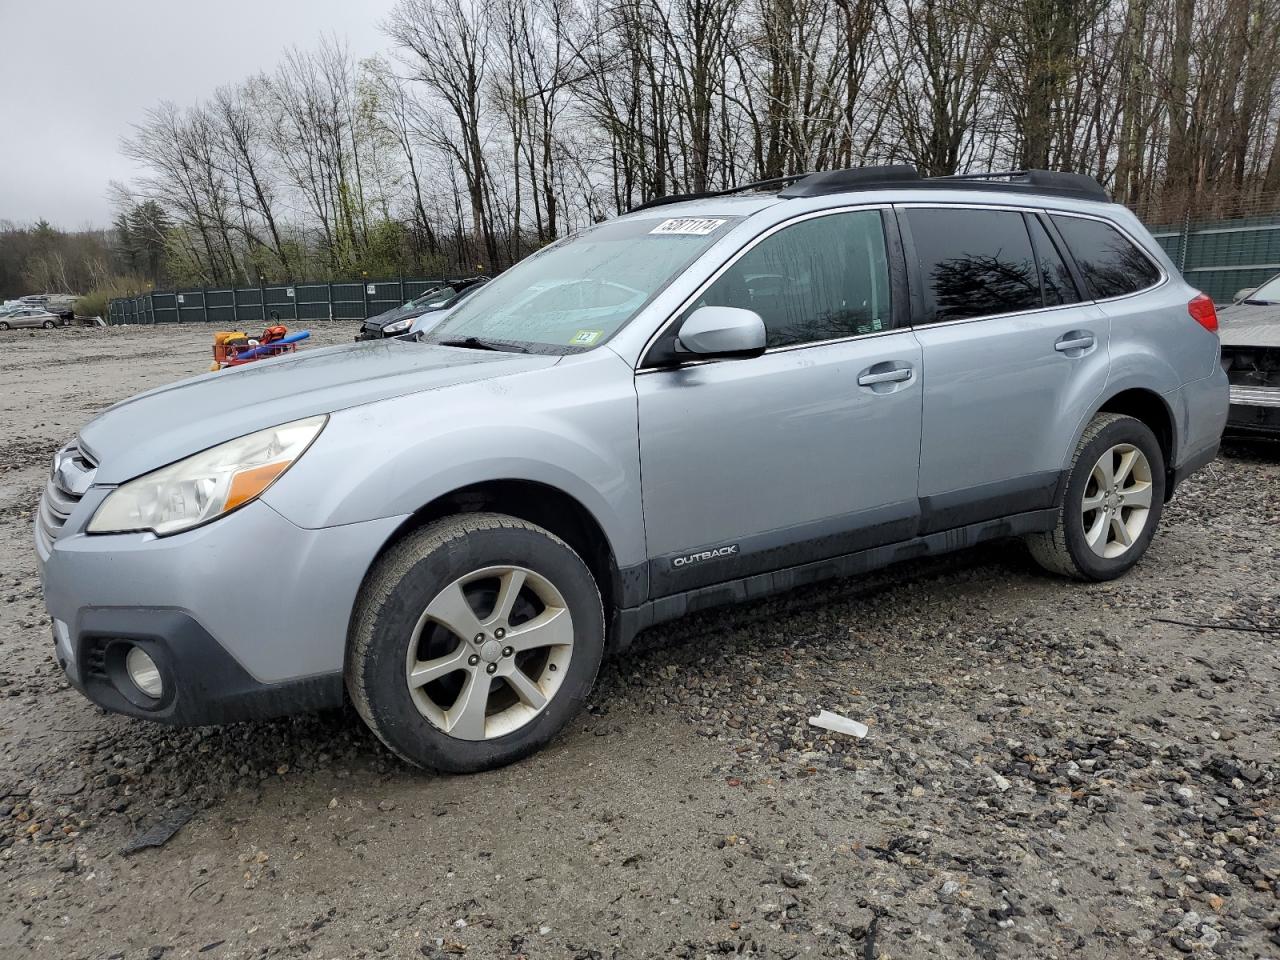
<point>722,332</point>
<point>1241,294</point>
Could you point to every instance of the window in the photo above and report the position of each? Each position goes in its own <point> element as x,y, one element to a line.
<point>974,263</point>
<point>1112,266</point>
<point>576,293</point>
<point>1055,278</point>
<point>820,279</point>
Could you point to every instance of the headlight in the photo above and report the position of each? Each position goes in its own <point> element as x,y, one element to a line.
<point>400,326</point>
<point>205,486</point>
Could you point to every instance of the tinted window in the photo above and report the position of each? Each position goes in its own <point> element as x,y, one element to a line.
<point>1054,275</point>
<point>1112,266</point>
<point>974,263</point>
<point>817,280</point>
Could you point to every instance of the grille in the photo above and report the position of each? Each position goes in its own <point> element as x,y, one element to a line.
<point>95,659</point>
<point>69,480</point>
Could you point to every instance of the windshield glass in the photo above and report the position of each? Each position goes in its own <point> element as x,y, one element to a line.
<point>1269,292</point>
<point>575,294</point>
<point>431,298</point>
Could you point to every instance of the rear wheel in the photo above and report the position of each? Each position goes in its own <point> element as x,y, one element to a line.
<point>3,325</point>
<point>475,640</point>
<point>1112,504</point>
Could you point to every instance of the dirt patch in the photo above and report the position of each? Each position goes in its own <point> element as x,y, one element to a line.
<point>1052,769</point>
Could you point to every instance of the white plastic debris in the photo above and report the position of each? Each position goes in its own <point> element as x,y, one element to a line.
<point>838,724</point>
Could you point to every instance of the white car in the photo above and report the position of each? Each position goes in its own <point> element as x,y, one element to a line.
<point>28,317</point>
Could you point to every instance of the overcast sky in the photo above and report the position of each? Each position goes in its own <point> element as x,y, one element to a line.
<point>74,74</point>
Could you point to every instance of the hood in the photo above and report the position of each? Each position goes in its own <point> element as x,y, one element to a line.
<point>163,425</point>
<point>1249,325</point>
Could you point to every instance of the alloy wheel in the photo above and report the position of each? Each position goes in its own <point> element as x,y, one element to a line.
<point>489,652</point>
<point>1117,500</point>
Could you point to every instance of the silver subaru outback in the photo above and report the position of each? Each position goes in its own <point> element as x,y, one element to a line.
<point>699,402</point>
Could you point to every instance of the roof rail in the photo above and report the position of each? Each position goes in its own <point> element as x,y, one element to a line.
<point>897,175</point>
<point>827,182</point>
<point>741,188</point>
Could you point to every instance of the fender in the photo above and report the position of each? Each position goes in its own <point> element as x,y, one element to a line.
<point>571,426</point>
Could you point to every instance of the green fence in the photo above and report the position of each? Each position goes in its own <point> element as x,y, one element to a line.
<point>234,307</point>
<point>1221,257</point>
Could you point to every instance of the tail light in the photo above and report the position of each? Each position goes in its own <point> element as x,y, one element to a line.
<point>1203,312</point>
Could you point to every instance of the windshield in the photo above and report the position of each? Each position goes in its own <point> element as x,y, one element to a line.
<point>1269,292</point>
<point>575,294</point>
<point>433,297</point>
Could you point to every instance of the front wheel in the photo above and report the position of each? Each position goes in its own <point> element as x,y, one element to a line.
<point>1112,504</point>
<point>3,325</point>
<point>475,640</point>
<point>48,324</point>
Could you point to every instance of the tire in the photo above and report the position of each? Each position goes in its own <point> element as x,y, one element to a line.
<point>48,324</point>
<point>1090,544</point>
<point>3,325</point>
<point>399,627</point>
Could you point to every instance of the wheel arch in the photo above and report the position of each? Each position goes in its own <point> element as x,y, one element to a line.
<point>547,506</point>
<point>1151,409</point>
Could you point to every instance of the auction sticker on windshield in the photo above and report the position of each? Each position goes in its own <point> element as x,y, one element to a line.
<point>585,338</point>
<point>687,226</point>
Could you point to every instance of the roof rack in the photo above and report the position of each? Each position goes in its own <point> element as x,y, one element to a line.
<point>827,182</point>
<point>897,175</point>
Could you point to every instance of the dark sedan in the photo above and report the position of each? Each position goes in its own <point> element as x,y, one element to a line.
<point>1250,333</point>
<point>396,322</point>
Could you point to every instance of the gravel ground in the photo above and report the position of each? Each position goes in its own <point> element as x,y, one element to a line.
<point>1052,769</point>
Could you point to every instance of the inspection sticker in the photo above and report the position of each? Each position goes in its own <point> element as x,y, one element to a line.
<point>585,338</point>
<point>687,226</point>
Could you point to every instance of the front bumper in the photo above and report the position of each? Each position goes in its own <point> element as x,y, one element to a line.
<point>1254,411</point>
<point>246,617</point>
<point>201,682</point>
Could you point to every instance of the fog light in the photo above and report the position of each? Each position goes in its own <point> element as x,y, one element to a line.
<point>143,672</point>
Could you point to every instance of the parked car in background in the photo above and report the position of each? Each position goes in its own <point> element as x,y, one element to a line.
<point>28,317</point>
<point>396,322</point>
<point>706,400</point>
<point>62,305</point>
<point>1250,334</point>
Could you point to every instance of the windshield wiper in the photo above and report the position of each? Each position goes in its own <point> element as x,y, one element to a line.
<point>475,343</point>
<point>1258,303</point>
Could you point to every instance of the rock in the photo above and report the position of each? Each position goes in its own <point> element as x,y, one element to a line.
<point>794,878</point>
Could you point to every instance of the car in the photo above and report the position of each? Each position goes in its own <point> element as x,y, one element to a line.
<point>61,305</point>
<point>695,403</point>
<point>28,317</point>
<point>395,323</point>
<point>1251,357</point>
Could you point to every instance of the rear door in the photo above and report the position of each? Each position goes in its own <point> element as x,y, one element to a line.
<point>808,451</point>
<point>1014,355</point>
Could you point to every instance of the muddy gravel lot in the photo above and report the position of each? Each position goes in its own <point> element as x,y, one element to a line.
<point>1052,770</point>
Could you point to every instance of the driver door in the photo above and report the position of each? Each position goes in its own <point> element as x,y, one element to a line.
<point>806,452</point>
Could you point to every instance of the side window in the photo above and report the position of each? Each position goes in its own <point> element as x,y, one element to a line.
<point>1111,264</point>
<point>1056,279</point>
<point>819,279</point>
<point>973,263</point>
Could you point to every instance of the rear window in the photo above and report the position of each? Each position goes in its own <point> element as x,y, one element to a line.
<point>974,263</point>
<point>1112,265</point>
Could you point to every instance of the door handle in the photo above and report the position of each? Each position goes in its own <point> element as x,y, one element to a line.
<point>1075,340</point>
<point>895,375</point>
